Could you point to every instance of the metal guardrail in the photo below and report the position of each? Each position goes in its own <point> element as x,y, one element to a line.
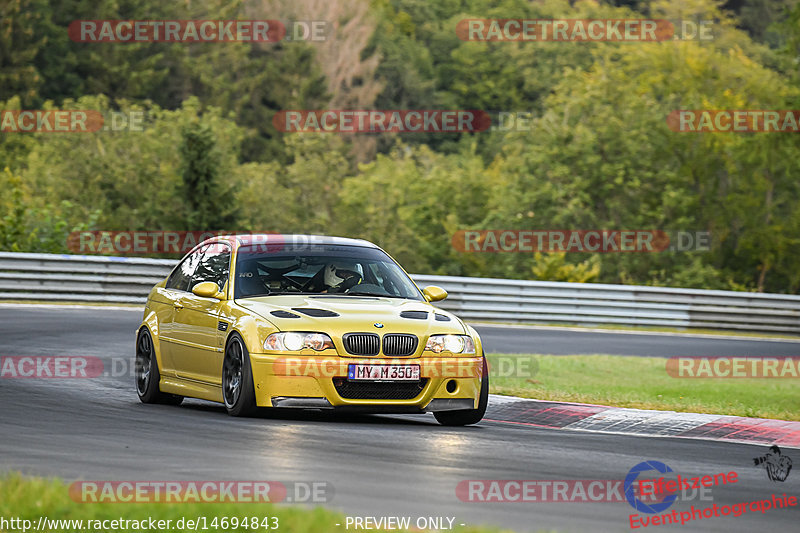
<point>502,300</point>
<point>79,278</point>
<point>74,278</point>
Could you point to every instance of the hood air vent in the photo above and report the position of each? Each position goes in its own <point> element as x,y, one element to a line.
<point>284,314</point>
<point>310,311</point>
<point>415,315</point>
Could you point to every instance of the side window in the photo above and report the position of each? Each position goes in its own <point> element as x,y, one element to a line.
<point>213,266</point>
<point>180,278</point>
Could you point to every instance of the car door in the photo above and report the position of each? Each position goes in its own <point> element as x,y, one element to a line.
<point>199,336</point>
<point>174,291</point>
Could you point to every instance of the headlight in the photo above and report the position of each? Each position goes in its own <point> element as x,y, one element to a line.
<point>450,343</point>
<point>295,341</point>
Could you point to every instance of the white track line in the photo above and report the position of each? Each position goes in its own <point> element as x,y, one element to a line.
<point>636,332</point>
<point>137,308</point>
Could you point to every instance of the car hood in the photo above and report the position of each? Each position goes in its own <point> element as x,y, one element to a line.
<point>337,315</point>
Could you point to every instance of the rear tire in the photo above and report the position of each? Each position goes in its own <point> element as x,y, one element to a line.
<point>238,391</point>
<point>147,374</point>
<point>468,416</point>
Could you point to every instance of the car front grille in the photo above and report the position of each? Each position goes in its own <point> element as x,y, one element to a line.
<point>373,390</point>
<point>399,344</point>
<point>362,343</point>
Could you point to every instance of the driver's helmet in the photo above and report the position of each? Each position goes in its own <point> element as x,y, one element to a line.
<point>337,272</point>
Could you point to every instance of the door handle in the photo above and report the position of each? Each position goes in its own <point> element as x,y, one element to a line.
<point>177,306</point>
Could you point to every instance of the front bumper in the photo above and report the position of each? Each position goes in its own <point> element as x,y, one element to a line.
<point>320,382</point>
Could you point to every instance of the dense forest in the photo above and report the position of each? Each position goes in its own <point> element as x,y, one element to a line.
<point>591,147</point>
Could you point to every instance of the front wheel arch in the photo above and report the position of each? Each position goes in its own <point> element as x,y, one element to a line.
<point>238,389</point>
<point>468,416</point>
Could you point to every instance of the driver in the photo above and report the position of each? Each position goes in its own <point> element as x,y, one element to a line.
<point>339,277</point>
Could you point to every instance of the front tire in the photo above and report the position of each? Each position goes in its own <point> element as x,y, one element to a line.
<point>238,391</point>
<point>468,416</point>
<point>147,374</point>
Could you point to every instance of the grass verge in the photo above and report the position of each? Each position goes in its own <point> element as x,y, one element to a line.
<point>32,498</point>
<point>639,382</point>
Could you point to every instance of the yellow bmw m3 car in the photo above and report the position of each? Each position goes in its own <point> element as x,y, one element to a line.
<point>307,322</point>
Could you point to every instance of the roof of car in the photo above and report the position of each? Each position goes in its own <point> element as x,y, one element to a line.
<point>300,239</point>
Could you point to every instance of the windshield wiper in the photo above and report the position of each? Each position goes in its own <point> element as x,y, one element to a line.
<point>364,293</point>
<point>290,293</point>
<point>280,294</point>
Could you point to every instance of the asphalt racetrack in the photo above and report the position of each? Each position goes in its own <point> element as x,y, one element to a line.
<point>96,429</point>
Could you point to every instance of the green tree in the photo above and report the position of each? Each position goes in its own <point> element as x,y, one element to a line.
<point>300,197</point>
<point>210,206</point>
<point>20,42</point>
<point>413,200</point>
<point>26,226</point>
<point>554,267</point>
<point>133,175</point>
<point>600,158</point>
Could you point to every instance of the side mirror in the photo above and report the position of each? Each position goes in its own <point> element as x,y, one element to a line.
<point>433,293</point>
<point>208,289</point>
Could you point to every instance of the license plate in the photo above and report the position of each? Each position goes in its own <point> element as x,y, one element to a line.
<point>360,372</point>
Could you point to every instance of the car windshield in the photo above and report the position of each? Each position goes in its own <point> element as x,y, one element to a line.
<point>320,269</point>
